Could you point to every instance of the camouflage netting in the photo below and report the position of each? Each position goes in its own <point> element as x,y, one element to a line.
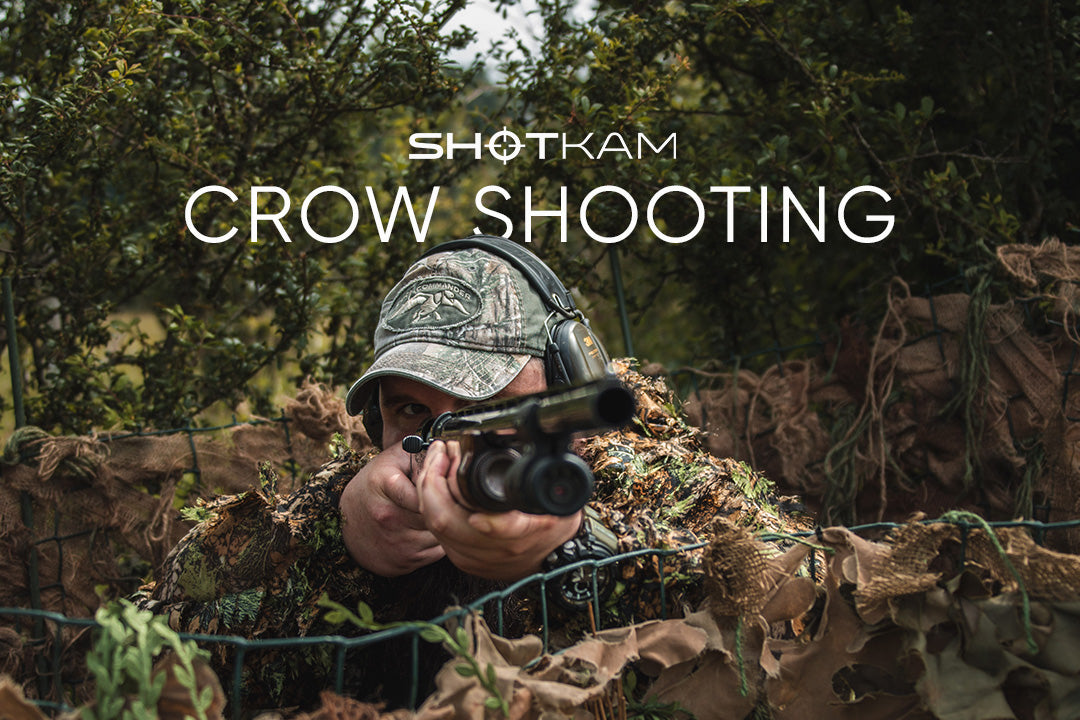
<point>104,505</point>
<point>948,620</point>
<point>935,621</point>
<point>954,403</point>
<point>88,517</point>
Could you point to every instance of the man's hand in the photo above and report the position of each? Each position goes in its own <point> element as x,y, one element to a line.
<point>381,522</point>
<point>498,546</point>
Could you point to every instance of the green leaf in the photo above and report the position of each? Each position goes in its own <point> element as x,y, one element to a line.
<point>183,676</point>
<point>462,638</point>
<point>367,615</point>
<point>465,670</point>
<point>434,634</point>
<point>336,617</point>
<point>206,698</point>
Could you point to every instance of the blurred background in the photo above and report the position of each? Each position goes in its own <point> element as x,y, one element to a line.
<point>113,113</point>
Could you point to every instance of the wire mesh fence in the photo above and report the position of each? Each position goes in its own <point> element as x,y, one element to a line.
<point>49,635</point>
<point>54,640</point>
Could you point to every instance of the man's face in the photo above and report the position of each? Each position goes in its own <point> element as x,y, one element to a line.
<point>406,404</point>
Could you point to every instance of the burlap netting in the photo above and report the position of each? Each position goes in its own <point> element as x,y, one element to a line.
<point>929,622</point>
<point>926,623</point>
<point>954,402</point>
<point>744,574</point>
<point>102,507</point>
<point>917,557</point>
<point>1051,271</point>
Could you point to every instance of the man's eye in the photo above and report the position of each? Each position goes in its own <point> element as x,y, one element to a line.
<point>413,410</point>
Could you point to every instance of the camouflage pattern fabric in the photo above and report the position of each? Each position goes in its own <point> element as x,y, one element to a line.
<point>656,487</point>
<point>258,563</point>
<point>464,320</point>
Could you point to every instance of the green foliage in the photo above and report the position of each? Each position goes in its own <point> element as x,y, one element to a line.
<point>195,513</point>
<point>751,484</point>
<point>122,662</point>
<point>113,112</point>
<point>958,112</point>
<point>456,642</point>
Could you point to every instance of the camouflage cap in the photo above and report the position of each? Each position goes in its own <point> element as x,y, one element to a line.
<point>464,322</point>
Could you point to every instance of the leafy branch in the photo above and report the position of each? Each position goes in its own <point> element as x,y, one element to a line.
<point>122,662</point>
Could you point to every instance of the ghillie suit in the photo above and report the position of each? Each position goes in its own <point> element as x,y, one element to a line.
<point>259,563</point>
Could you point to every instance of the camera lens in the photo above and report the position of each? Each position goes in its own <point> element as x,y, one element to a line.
<point>561,487</point>
<point>505,480</point>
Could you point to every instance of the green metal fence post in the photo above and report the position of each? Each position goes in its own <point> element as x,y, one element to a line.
<point>13,354</point>
<point>620,298</point>
<point>26,506</point>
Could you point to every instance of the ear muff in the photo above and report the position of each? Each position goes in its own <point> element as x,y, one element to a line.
<point>574,353</point>
<point>372,418</point>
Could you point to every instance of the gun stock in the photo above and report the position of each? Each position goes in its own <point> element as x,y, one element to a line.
<point>516,453</point>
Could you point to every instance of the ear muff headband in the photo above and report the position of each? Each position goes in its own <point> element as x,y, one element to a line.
<point>574,354</point>
<point>540,276</point>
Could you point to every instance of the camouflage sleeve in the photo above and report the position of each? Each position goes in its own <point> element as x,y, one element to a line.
<point>257,564</point>
<point>256,568</point>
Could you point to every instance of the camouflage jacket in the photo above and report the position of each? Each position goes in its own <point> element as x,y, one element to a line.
<point>258,563</point>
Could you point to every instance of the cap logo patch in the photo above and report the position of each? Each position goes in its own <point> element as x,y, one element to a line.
<point>433,302</point>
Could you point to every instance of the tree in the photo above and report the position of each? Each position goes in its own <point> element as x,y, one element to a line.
<point>962,114</point>
<point>113,113</point>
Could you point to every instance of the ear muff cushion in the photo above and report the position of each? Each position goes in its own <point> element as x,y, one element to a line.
<point>372,419</point>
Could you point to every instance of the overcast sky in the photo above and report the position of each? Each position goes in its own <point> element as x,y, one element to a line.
<point>490,25</point>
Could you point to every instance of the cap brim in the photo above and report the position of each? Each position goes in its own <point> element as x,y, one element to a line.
<point>460,372</point>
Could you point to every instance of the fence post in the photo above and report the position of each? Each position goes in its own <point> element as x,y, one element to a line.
<point>26,506</point>
<point>13,354</point>
<point>620,298</point>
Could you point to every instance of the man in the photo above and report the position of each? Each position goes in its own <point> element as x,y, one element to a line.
<point>391,530</point>
<point>460,327</point>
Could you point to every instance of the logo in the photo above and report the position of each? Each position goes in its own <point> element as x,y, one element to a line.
<point>440,302</point>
